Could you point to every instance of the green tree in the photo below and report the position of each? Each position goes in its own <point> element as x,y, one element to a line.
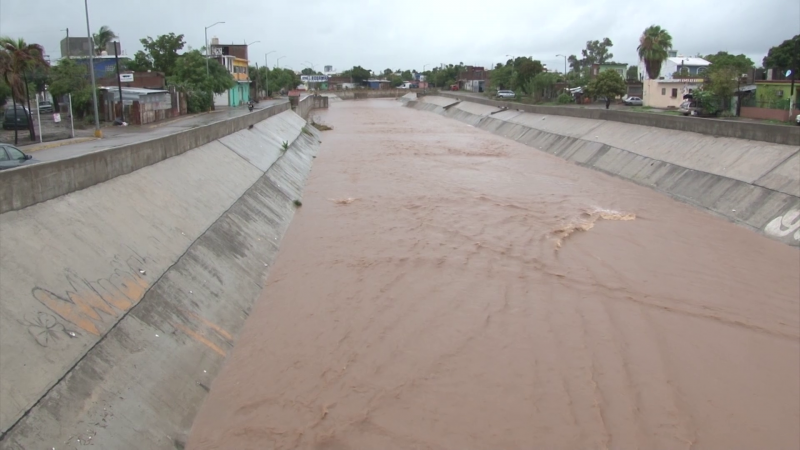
<point>406,75</point>
<point>395,80</point>
<point>308,71</point>
<point>5,92</point>
<point>359,74</point>
<point>597,52</point>
<point>160,54</point>
<point>17,60</point>
<point>190,76</point>
<point>282,79</point>
<point>608,84</point>
<point>102,38</point>
<point>68,77</point>
<point>653,49</point>
<point>632,74</point>
<point>501,77</point>
<point>387,72</point>
<point>740,63</point>
<point>542,86</point>
<point>525,69</point>
<point>784,56</point>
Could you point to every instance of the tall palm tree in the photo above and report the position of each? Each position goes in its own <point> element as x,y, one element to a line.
<point>654,46</point>
<point>102,38</point>
<point>17,57</point>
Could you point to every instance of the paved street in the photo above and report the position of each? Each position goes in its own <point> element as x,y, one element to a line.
<point>118,136</point>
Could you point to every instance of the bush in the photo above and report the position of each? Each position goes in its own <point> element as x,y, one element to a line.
<point>198,101</point>
<point>564,98</point>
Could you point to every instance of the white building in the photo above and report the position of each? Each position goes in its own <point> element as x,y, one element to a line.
<point>668,89</point>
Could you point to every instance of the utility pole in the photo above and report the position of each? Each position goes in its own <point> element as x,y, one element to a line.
<point>256,81</point>
<point>207,50</point>
<point>119,84</point>
<point>97,132</point>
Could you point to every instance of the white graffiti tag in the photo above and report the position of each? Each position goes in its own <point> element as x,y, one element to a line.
<point>785,225</point>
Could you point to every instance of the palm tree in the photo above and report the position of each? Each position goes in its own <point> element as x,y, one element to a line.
<point>102,38</point>
<point>17,57</point>
<point>654,46</point>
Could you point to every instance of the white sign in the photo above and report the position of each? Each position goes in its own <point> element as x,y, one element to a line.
<point>126,77</point>
<point>314,78</point>
<point>56,117</point>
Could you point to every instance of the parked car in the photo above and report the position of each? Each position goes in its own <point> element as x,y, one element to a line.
<point>45,107</point>
<point>690,108</point>
<point>797,119</point>
<point>633,101</point>
<point>20,121</point>
<point>11,157</point>
<point>506,94</point>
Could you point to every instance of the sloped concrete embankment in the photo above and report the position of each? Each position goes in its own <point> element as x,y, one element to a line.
<point>121,301</point>
<point>752,183</point>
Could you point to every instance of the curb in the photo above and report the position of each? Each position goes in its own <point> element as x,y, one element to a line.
<point>55,144</point>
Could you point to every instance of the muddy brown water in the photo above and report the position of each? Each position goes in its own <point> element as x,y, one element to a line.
<point>445,288</point>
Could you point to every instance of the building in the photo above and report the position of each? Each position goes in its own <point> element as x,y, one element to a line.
<point>772,99</point>
<point>680,75</point>
<point>379,84</point>
<point>597,69</point>
<point>141,106</point>
<point>473,79</point>
<point>82,46</point>
<point>233,57</point>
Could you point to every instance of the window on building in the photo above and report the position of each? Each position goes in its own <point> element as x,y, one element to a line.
<point>663,91</point>
<point>674,93</point>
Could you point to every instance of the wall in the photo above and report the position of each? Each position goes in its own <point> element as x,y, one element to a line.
<point>114,338</point>
<point>653,96</point>
<point>29,185</point>
<point>778,134</point>
<point>769,114</point>
<point>304,107</point>
<point>753,184</point>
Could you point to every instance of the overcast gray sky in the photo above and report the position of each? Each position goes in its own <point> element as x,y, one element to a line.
<point>409,34</point>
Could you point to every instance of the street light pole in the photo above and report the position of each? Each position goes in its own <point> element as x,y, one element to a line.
<point>206,35</point>
<point>565,69</point>
<point>266,66</point>
<point>119,83</point>
<point>278,64</point>
<point>247,48</point>
<point>97,132</point>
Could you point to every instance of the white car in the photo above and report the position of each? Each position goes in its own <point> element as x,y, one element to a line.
<point>797,119</point>
<point>506,94</point>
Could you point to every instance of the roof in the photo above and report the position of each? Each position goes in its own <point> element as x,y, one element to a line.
<point>689,61</point>
<point>136,91</point>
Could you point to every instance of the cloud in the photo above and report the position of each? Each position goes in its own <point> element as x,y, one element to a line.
<point>379,34</point>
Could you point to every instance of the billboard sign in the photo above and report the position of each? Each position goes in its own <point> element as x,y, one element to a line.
<point>126,78</point>
<point>314,78</point>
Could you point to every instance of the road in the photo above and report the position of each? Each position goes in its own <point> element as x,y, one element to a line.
<point>443,287</point>
<point>118,136</point>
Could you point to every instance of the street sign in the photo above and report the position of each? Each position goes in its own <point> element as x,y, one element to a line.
<point>126,77</point>
<point>314,78</point>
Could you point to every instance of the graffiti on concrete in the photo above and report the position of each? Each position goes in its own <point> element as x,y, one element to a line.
<point>785,225</point>
<point>46,329</point>
<point>93,306</point>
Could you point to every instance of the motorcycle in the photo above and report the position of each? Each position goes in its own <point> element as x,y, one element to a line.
<point>250,106</point>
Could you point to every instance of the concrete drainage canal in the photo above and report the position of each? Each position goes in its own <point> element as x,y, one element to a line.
<point>112,335</point>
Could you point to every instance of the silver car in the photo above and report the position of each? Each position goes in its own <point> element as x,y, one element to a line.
<point>506,94</point>
<point>633,101</point>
